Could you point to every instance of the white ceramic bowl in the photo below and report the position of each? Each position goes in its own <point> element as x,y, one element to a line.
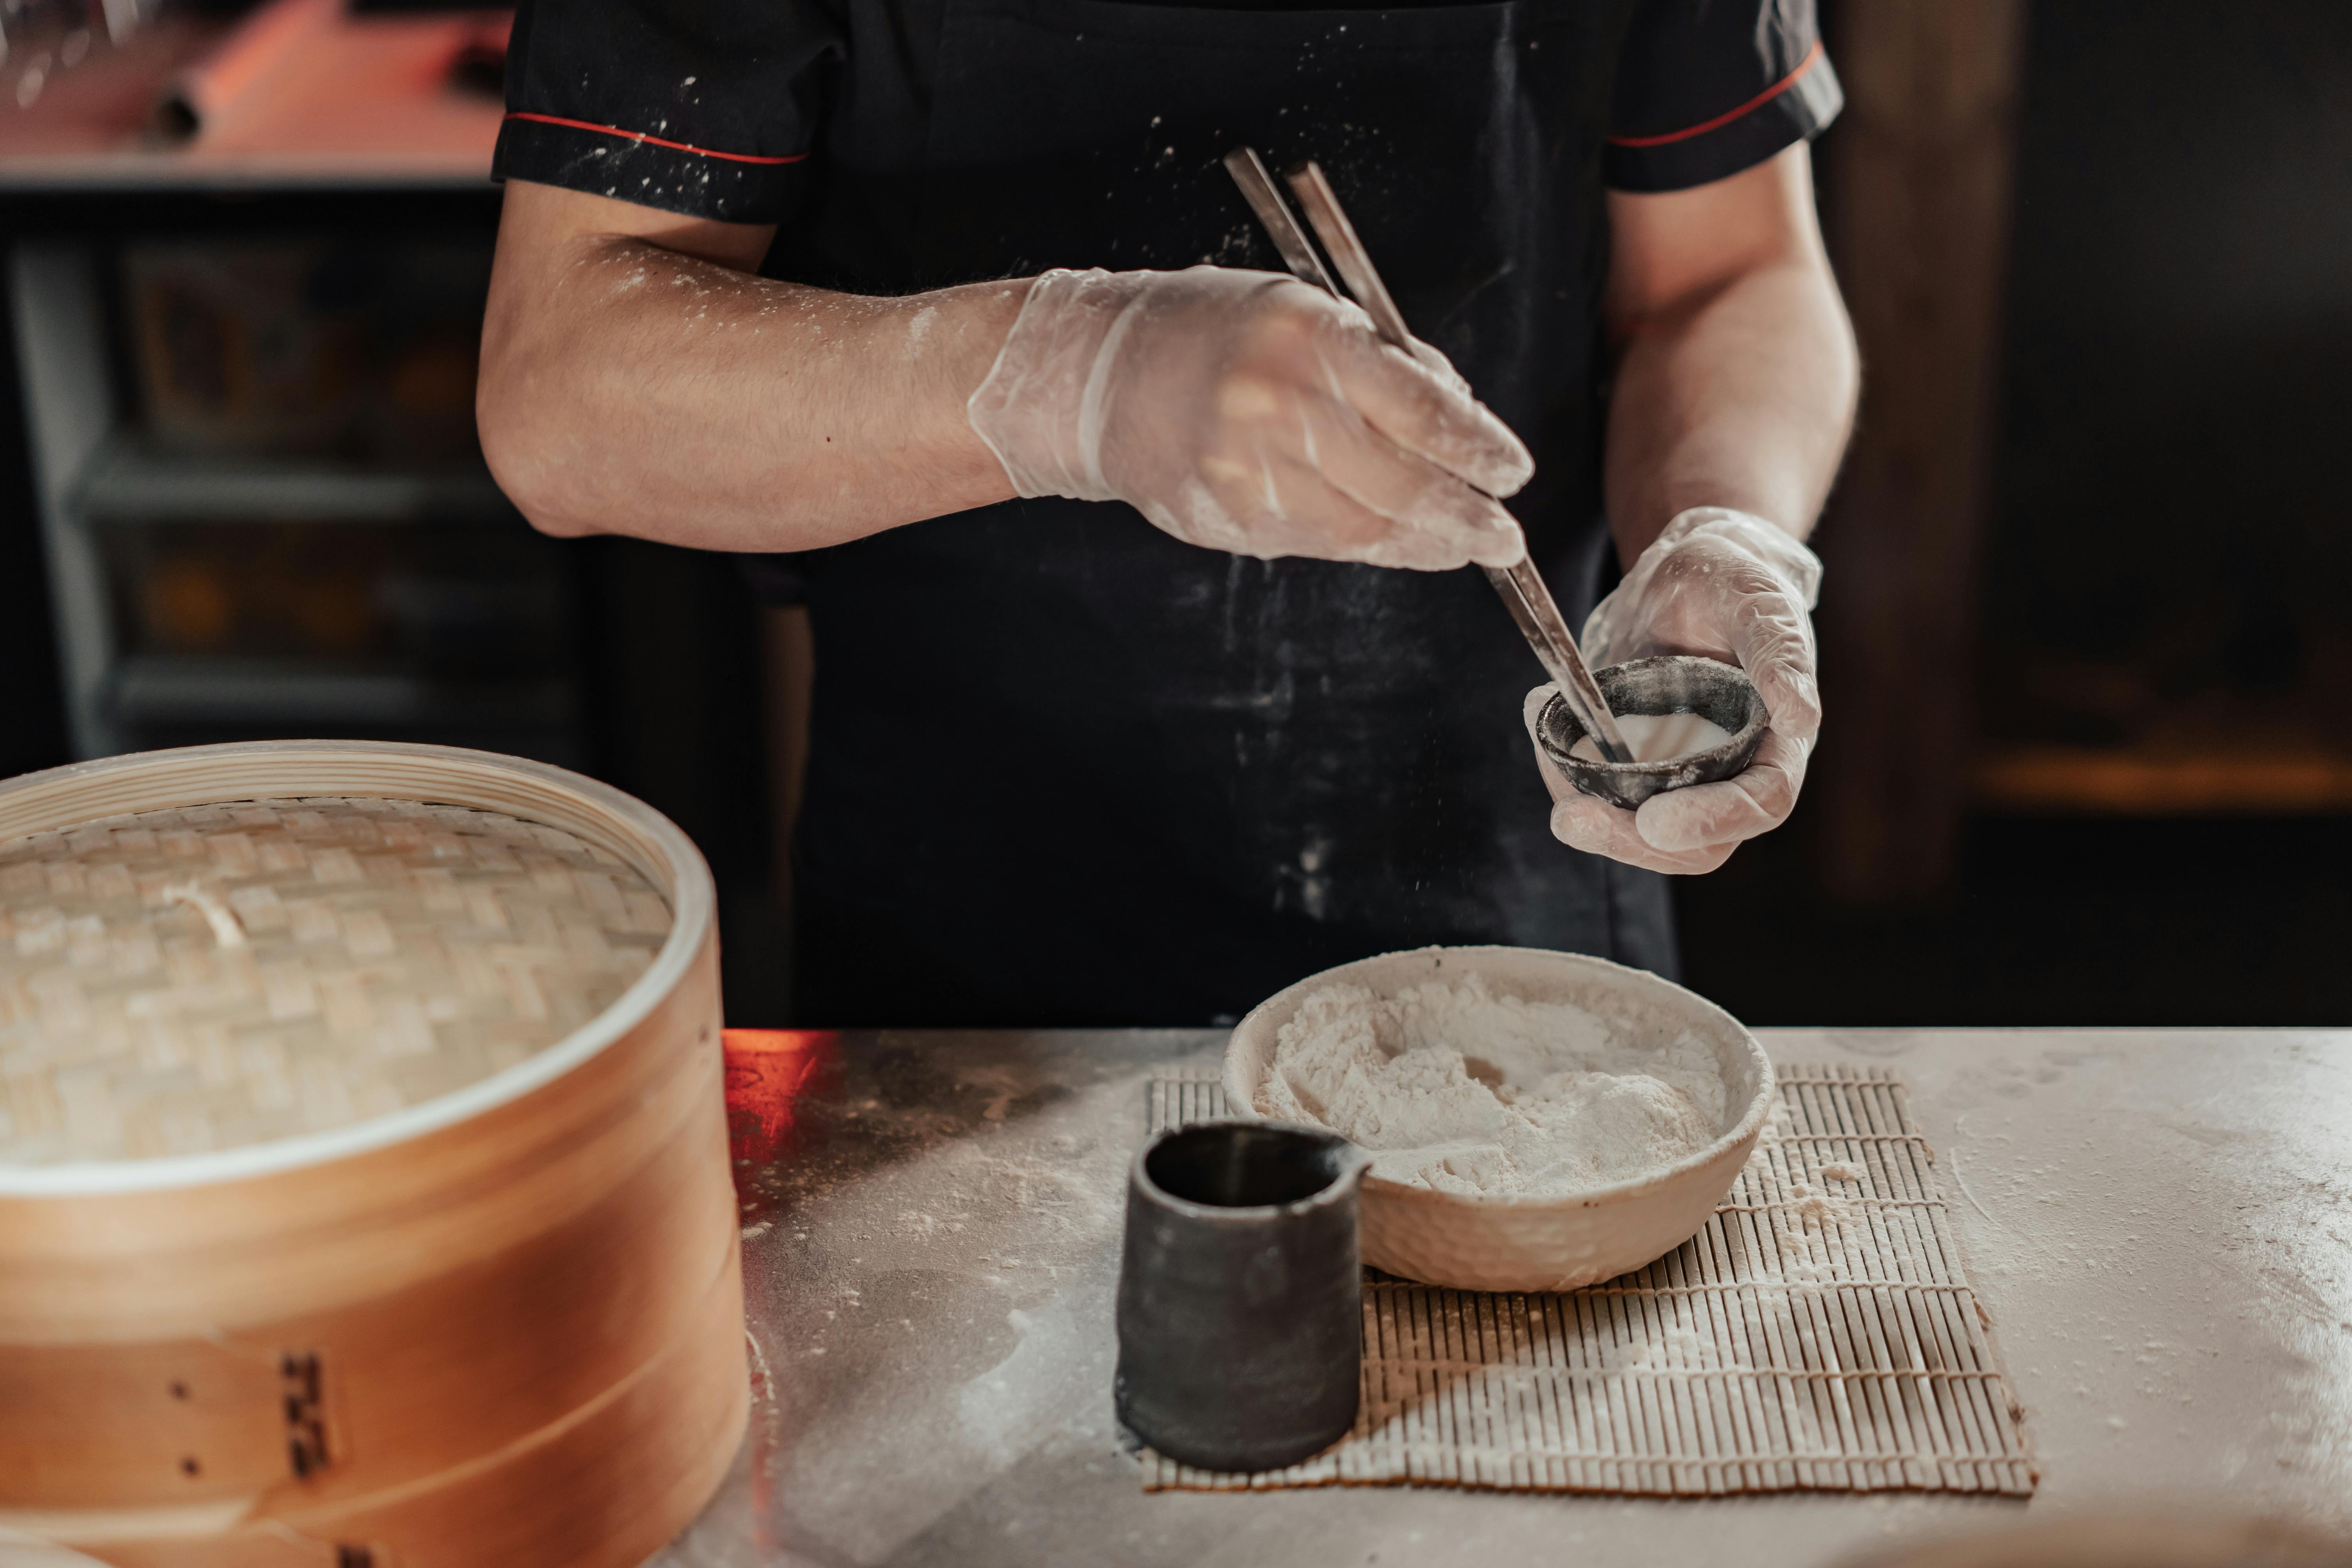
<point>1555,1241</point>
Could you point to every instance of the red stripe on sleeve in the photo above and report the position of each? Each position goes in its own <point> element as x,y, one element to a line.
<point>1759,101</point>
<point>654,141</point>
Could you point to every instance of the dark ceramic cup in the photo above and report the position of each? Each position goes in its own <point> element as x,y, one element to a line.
<point>1672,683</point>
<point>1241,1295</point>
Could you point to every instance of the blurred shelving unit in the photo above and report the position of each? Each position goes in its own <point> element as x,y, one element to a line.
<point>202,594</point>
<point>127,479</point>
<point>232,556</point>
<point>258,491</point>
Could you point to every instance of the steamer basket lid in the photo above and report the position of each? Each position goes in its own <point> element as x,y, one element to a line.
<point>239,977</point>
<point>218,977</point>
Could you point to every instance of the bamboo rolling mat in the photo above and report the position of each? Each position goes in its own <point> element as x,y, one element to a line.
<point>1818,1334</point>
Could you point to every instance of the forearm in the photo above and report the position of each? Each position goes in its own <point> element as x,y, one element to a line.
<point>630,388</point>
<point>1746,403</point>
<point>1738,390</point>
<point>638,377</point>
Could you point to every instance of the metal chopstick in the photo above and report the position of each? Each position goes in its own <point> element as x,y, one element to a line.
<point>1250,173</point>
<point>1521,587</point>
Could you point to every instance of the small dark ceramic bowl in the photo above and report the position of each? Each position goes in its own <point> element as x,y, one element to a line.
<point>1674,683</point>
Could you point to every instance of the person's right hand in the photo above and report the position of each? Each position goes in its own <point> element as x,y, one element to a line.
<point>1250,412</point>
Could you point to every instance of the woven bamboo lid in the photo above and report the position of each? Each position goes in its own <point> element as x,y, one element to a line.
<point>229,966</point>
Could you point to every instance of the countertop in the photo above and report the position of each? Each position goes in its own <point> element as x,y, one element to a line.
<point>2159,1222</point>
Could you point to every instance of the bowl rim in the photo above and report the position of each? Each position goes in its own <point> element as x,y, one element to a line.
<point>1742,1134</point>
<point>1757,719</point>
<point>682,873</point>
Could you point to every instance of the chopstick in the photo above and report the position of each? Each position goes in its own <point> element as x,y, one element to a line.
<point>1521,587</point>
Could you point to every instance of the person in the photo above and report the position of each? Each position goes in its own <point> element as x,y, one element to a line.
<point>1147,679</point>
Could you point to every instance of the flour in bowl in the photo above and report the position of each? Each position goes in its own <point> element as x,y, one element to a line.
<point>1456,1088</point>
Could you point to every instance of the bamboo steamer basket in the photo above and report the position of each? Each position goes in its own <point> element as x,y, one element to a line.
<point>503,1326</point>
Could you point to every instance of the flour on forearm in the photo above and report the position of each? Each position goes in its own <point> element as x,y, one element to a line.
<point>1454,1088</point>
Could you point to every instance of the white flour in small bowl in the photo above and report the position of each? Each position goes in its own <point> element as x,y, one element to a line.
<point>1456,1088</point>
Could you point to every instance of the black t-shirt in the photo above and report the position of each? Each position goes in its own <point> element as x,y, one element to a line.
<point>1166,781</point>
<point>718,109</point>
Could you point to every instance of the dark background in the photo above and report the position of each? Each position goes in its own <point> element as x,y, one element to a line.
<point>2170,499</point>
<point>2169,514</point>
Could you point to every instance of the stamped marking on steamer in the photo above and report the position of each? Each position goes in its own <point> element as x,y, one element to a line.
<point>306,1421</point>
<point>1803,1340</point>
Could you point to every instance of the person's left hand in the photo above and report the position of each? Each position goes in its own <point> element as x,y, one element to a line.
<point>1725,585</point>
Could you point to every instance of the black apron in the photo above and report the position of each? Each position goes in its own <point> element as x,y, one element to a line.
<point>1065,769</point>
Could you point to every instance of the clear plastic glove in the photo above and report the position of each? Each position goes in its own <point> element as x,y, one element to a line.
<point>1249,412</point>
<point>1726,585</point>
